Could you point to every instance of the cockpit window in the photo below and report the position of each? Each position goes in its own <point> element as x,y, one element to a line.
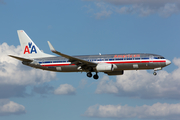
<point>162,58</point>
<point>159,58</point>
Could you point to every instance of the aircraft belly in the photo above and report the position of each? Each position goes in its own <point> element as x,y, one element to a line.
<point>158,64</point>
<point>69,68</point>
<point>137,66</point>
<point>43,68</point>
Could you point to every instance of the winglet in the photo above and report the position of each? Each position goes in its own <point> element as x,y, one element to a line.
<point>51,47</point>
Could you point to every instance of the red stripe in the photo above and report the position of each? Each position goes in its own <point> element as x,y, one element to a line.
<point>115,62</point>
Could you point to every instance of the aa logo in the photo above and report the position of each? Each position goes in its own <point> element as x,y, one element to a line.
<point>30,47</point>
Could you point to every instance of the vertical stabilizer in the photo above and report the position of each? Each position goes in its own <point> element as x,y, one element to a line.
<point>29,48</point>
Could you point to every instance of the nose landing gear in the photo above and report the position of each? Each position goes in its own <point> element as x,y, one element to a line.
<point>156,69</point>
<point>154,73</point>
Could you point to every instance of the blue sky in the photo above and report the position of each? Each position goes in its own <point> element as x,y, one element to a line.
<point>90,27</point>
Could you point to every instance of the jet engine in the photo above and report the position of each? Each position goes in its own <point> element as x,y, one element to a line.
<point>104,67</point>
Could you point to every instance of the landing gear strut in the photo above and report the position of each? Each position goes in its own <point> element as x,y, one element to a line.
<point>156,69</point>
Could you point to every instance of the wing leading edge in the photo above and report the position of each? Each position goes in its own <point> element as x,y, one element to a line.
<point>73,60</point>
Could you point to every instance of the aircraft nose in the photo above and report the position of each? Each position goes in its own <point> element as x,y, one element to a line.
<point>168,62</point>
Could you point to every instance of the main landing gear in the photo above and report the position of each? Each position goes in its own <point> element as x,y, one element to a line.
<point>96,76</point>
<point>89,74</point>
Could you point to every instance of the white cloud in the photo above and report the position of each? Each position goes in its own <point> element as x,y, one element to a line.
<point>156,111</point>
<point>104,11</point>
<point>135,9</point>
<point>128,2</point>
<point>165,8</point>
<point>103,14</point>
<point>9,107</point>
<point>143,84</point>
<point>14,77</point>
<point>13,72</point>
<point>82,83</point>
<point>65,89</point>
<point>169,9</point>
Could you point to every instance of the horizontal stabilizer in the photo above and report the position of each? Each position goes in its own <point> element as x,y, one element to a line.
<point>21,59</point>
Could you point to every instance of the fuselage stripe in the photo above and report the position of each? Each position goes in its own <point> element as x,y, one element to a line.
<point>108,62</point>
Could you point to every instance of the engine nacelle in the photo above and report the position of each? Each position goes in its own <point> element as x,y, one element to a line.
<point>104,67</point>
<point>115,72</point>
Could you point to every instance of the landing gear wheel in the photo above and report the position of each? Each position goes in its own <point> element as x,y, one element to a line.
<point>154,73</point>
<point>89,74</point>
<point>96,76</point>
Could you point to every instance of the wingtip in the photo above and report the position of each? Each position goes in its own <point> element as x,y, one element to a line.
<point>51,47</point>
<point>10,55</point>
<point>20,30</point>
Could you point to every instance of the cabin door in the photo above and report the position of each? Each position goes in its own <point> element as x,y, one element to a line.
<point>151,59</point>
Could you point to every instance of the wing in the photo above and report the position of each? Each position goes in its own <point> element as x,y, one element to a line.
<point>73,60</point>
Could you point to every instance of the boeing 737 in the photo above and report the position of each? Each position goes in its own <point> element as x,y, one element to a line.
<point>110,64</point>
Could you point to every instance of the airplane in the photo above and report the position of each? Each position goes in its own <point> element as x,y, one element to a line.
<point>110,64</point>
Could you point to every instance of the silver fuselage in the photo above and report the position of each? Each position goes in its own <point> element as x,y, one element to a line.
<point>134,61</point>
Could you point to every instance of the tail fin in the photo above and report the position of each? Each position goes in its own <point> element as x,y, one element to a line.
<point>30,50</point>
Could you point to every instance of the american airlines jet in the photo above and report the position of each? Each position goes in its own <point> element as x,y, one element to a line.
<point>110,64</point>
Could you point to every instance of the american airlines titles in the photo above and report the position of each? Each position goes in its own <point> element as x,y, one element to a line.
<point>126,56</point>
